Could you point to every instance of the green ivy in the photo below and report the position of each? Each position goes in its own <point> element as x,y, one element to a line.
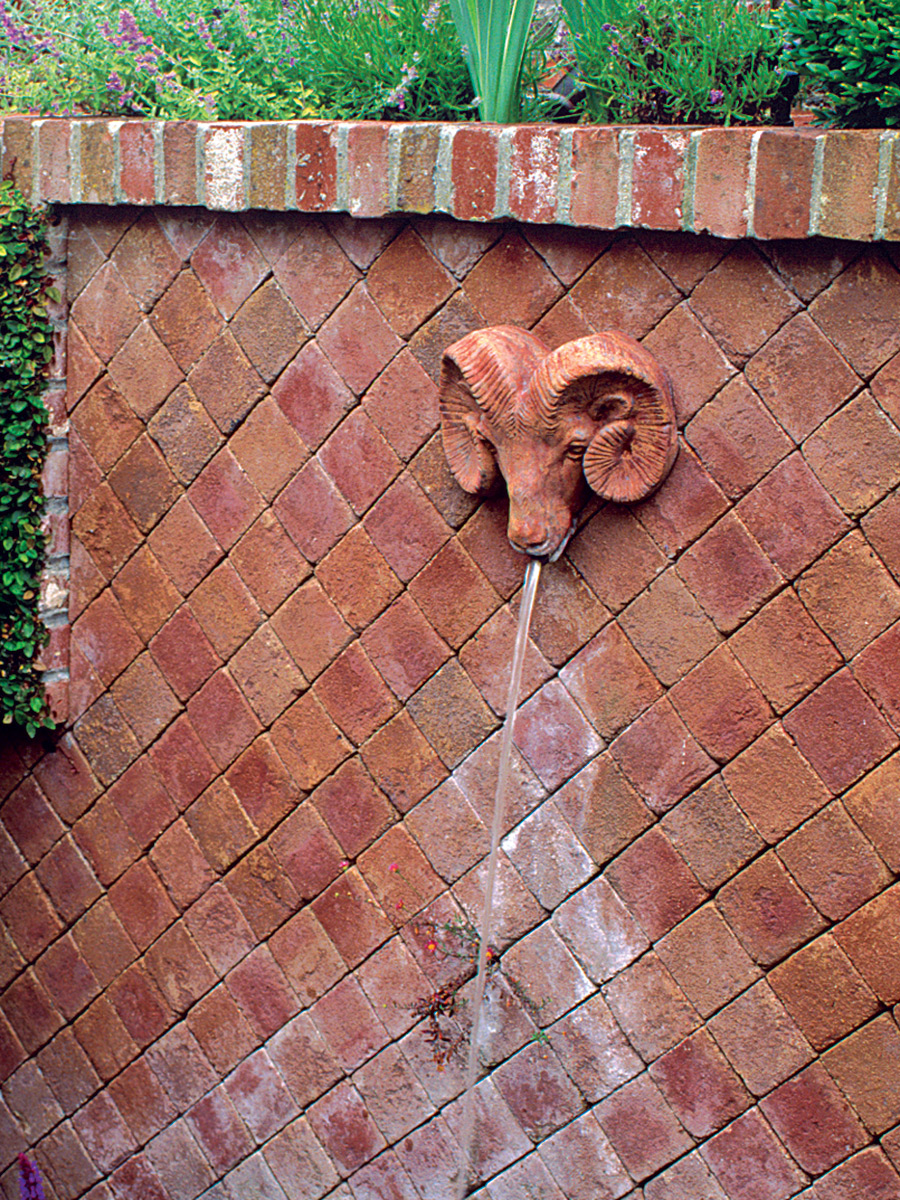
<point>25,350</point>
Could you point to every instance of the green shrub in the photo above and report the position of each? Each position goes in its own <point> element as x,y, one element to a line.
<point>387,59</point>
<point>848,53</point>
<point>25,348</point>
<point>675,62</point>
<point>175,59</point>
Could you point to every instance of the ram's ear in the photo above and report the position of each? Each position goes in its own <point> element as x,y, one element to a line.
<point>482,377</point>
<point>627,394</point>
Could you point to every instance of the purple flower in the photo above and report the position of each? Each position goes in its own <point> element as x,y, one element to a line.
<point>114,83</point>
<point>614,48</point>
<point>607,28</point>
<point>716,96</point>
<point>30,1186</point>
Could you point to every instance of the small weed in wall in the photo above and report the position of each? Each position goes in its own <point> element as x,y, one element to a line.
<point>25,350</point>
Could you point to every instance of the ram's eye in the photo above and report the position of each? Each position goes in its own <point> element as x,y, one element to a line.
<point>576,450</point>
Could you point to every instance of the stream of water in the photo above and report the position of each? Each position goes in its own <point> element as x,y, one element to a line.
<point>532,575</point>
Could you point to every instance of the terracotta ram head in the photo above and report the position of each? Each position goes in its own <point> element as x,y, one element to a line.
<point>597,412</point>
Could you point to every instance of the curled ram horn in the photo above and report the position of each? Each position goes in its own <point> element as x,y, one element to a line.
<point>598,411</point>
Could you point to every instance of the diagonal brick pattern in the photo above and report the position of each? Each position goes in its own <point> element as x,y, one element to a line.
<point>231,889</point>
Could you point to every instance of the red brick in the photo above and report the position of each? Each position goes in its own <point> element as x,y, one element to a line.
<point>145,592</point>
<point>854,455</point>
<point>260,1096</point>
<point>226,383</point>
<point>358,340</point>
<point>548,856</point>
<point>403,647</point>
<point>260,889</point>
<point>220,826</point>
<point>354,694</point>
<point>314,272</point>
<point>68,880</point>
<point>180,970</point>
<point>313,512</point>
<point>181,1067</point>
<point>784,168</point>
<point>706,960</point>
<point>616,556</point>
<point>819,723</point>
<point>185,434</point>
<point>402,762</point>
<point>383,1179</point>
<point>550,975</point>
<point>316,166</point>
<point>353,808</point>
<point>553,736</point>
<point>642,1128</point>
<point>610,681</point>
<point>403,404</point>
<point>595,182</point>
<point>668,627</point>
<point>222,718</point>
<point>867,1173</point>
<point>728,573</point>
<point>225,609</point>
<point>67,1070</point>
<point>873,805</point>
<point>225,499</point>
<point>268,562</point>
<point>178,1162</point>
<point>219,1130</point>
<point>450,713</point>
<point>262,785</point>
<point>141,903</point>
<point>348,1025</point>
<point>774,785</point>
<point>103,1133</point>
<point>308,742</point>
<point>511,284</point>
<point>67,977</point>
<point>767,911</point>
<point>655,883</point>
<point>660,758</point>
<point>737,438</point>
<point>30,918</point>
<point>784,651</point>
<point>181,864</point>
<point>721,705</point>
<point>106,638</point>
<point>408,284</point>
<point>312,395</point>
<point>299,1162</point>
<point>658,179</point>
<point>865,1068</point>
<point>625,290</point>
<point>184,654</point>
<point>184,546</point>
<point>307,957</point>
<point>105,312</point>
<point>761,1041</point>
<point>855,313</point>
<point>399,874</point>
<point>474,173</point>
<point>850,594</point>
<point>345,1128</point>
<point>742,302</point>
<point>65,776</point>
<point>880,528</point>
<point>182,762</point>
<point>102,940</point>
<point>749,1161</point>
<point>186,320</point>
<point>30,820</point>
<point>139,1005</point>
<point>393,983</point>
<point>261,991</point>
<point>228,264</point>
<point>813,1120</point>
<point>876,670</point>
<point>107,741</point>
<point>405,527</point>
<point>221,1029</point>
<point>720,186</point>
<point>144,699</point>
<point>267,675</point>
<point>866,934</point>
<point>834,864</point>
<point>685,1179</point>
<point>487,656</point>
<point>429,468</point>
<point>352,917</point>
<point>602,808</point>
<point>311,628</point>
<point>698,1083</point>
<point>303,1060</point>
<point>105,1039</point>
<point>800,376</point>
<point>534,168</point>
<point>686,507</point>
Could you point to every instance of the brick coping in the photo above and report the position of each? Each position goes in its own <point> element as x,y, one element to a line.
<point>764,183</point>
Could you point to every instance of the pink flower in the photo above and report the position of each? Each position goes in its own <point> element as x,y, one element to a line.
<point>393,867</point>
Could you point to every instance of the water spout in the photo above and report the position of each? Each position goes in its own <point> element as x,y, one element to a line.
<point>485,925</point>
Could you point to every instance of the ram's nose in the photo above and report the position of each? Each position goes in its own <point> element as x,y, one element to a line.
<point>531,532</point>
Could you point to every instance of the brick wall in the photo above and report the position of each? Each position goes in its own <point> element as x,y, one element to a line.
<point>225,884</point>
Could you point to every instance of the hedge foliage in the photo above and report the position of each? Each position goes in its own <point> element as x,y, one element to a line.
<point>25,349</point>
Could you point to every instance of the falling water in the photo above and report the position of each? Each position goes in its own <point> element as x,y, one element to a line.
<point>532,575</point>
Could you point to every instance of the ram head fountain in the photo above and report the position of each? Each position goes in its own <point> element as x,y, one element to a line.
<point>597,412</point>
